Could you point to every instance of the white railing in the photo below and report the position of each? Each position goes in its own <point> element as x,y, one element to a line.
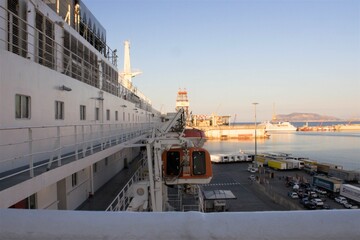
<point>123,199</point>
<point>276,225</point>
<point>201,199</point>
<point>29,148</point>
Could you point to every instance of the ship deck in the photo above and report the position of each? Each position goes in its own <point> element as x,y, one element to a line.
<point>108,192</point>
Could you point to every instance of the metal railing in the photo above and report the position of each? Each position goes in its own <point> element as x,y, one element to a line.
<point>30,148</point>
<point>123,199</point>
<point>26,40</point>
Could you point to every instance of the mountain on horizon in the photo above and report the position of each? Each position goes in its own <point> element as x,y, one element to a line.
<point>298,117</point>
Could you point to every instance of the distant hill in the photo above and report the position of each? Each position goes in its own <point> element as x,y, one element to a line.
<point>300,117</point>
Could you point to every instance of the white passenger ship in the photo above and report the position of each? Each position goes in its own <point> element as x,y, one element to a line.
<point>68,118</point>
<point>279,126</point>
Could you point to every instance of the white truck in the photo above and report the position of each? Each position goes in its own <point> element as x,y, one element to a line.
<point>350,192</point>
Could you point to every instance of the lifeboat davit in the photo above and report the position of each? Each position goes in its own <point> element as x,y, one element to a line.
<point>187,166</point>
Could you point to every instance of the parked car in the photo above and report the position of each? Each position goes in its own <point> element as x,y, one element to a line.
<point>318,202</point>
<point>304,201</point>
<point>340,200</point>
<point>320,191</point>
<point>293,195</point>
<point>347,205</point>
<point>325,206</point>
<point>303,195</point>
<point>312,194</point>
<point>310,205</point>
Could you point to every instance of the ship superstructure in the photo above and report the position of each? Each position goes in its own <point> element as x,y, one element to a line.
<point>69,120</point>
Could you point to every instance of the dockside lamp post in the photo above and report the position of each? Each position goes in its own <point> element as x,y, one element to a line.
<point>255,158</point>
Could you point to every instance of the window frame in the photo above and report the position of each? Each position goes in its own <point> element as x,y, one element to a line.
<point>59,110</point>
<point>107,114</point>
<point>97,114</point>
<point>199,162</point>
<point>82,112</point>
<point>74,179</point>
<point>22,106</point>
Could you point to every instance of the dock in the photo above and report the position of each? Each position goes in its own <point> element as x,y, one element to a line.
<point>225,132</point>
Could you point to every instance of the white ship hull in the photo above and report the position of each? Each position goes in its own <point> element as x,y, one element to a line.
<point>281,126</point>
<point>65,115</point>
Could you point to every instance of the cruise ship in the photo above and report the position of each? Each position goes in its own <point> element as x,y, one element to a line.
<point>70,121</point>
<point>69,118</point>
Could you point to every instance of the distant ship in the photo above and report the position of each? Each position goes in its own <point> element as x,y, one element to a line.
<point>280,126</point>
<point>273,125</point>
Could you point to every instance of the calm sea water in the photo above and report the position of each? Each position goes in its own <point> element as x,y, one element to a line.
<point>341,148</point>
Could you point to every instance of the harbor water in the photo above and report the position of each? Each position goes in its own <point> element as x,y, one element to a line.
<point>342,148</point>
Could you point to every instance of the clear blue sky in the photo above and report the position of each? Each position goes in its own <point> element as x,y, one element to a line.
<point>301,55</point>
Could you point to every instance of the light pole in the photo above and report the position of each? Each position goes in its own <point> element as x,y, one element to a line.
<point>255,158</point>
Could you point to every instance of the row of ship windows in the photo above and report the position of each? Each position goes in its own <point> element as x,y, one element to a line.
<point>23,110</point>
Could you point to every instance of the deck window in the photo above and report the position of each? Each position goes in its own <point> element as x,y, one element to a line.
<point>82,112</point>
<point>116,116</point>
<point>97,114</point>
<point>22,106</point>
<point>59,110</point>
<point>173,163</point>
<point>45,40</point>
<point>199,163</point>
<point>74,179</point>
<point>108,114</point>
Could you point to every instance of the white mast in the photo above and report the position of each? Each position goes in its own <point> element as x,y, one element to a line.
<point>127,73</point>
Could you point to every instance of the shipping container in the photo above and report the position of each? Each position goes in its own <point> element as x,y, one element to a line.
<point>325,167</point>
<point>311,169</point>
<point>294,164</point>
<point>277,165</point>
<point>345,175</point>
<point>329,183</point>
<point>261,158</point>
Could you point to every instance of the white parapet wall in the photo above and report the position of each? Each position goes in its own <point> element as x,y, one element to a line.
<point>299,225</point>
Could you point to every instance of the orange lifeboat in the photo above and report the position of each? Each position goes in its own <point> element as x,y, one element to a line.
<point>187,166</point>
<point>195,135</point>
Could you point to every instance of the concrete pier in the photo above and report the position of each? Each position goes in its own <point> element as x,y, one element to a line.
<point>234,132</point>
